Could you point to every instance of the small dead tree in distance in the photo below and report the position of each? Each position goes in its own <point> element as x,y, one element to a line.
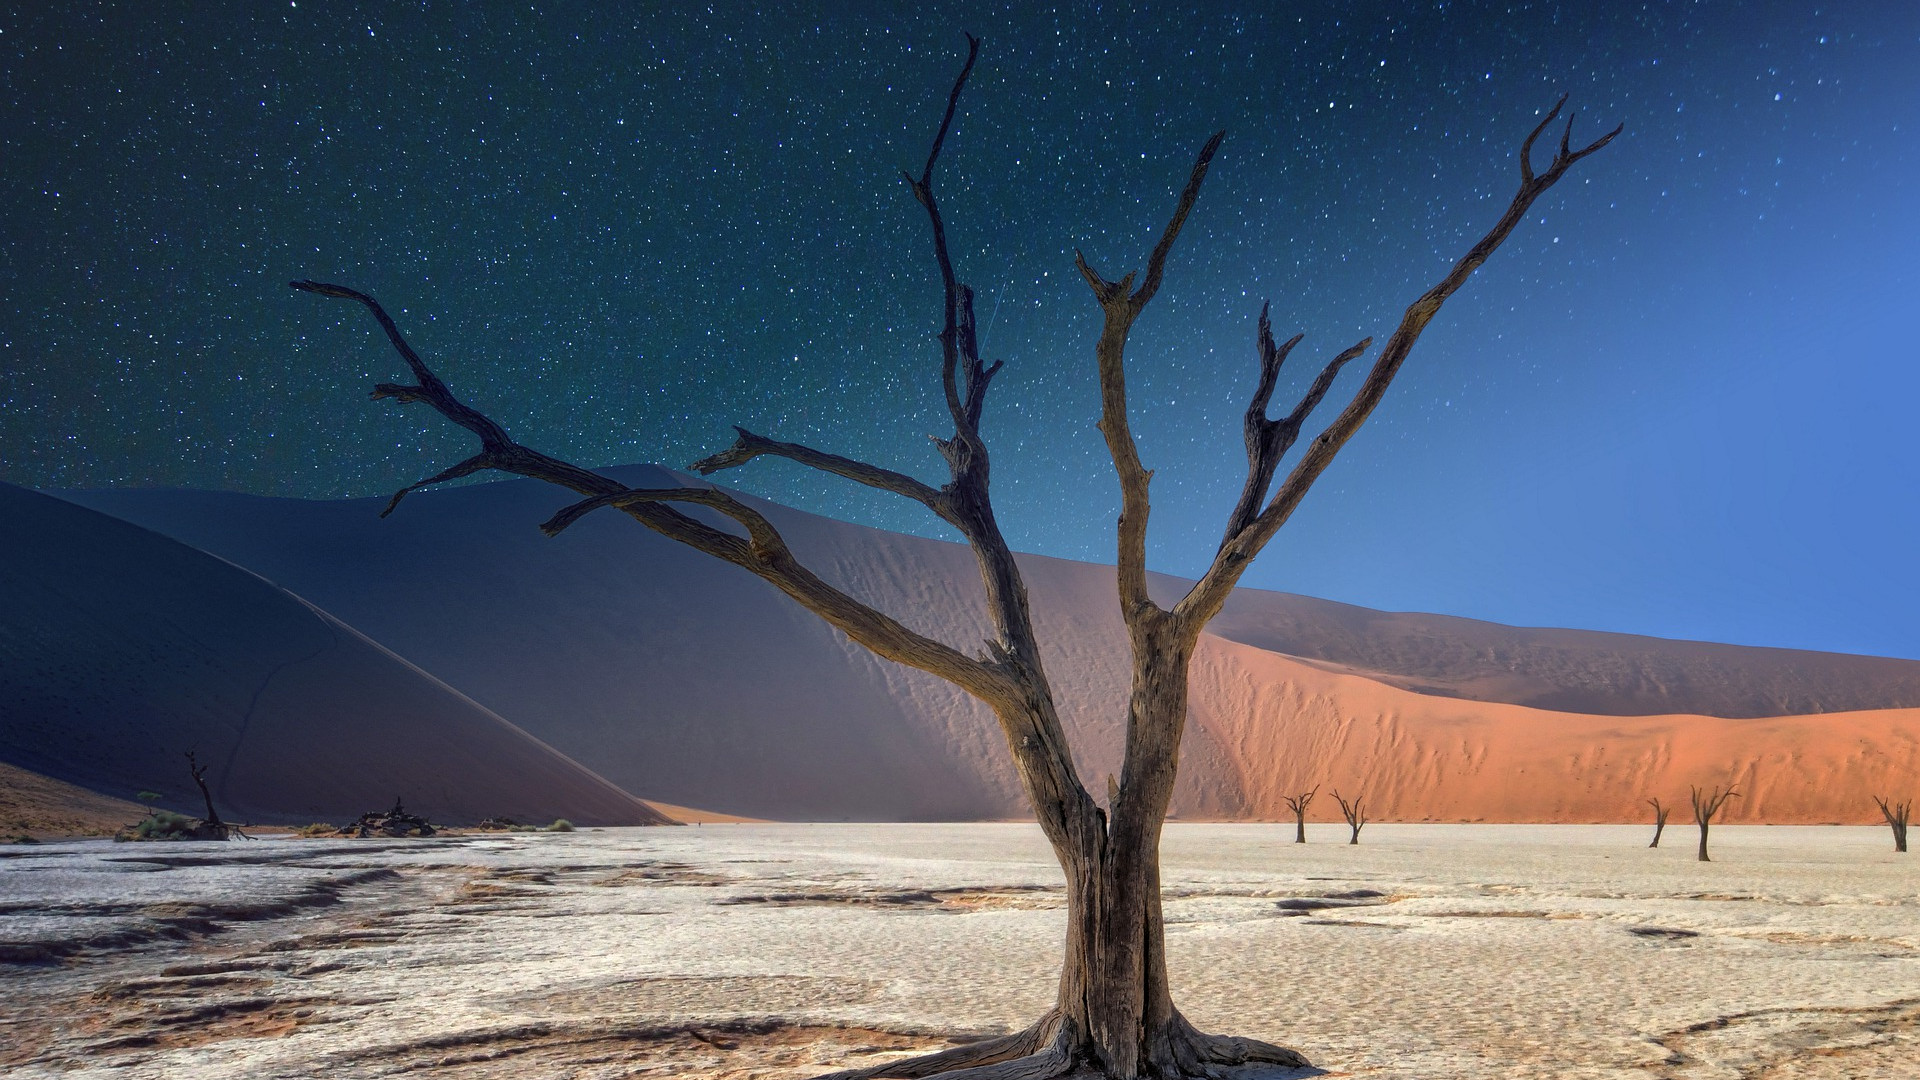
<point>199,772</point>
<point>1659,820</point>
<point>1704,807</point>
<point>1114,1015</point>
<point>1896,816</point>
<point>1298,804</point>
<point>1356,817</point>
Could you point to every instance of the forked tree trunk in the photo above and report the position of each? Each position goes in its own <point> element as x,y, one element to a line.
<point>1896,814</point>
<point>1298,804</point>
<point>1113,1010</point>
<point>1705,805</point>
<point>1659,820</point>
<point>1114,1016</point>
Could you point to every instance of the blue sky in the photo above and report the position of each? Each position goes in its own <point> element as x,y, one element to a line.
<point>1677,403</point>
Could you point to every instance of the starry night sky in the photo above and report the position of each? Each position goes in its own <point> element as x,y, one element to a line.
<point>1679,402</point>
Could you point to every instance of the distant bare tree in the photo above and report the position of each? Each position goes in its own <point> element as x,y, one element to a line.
<point>1113,1015</point>
<point>199,772</point>
<point>1298,804</point>
<point>1896,816</point>
<point>1356,817</point>
<point>1659,820</point>
<point>1704,807</point>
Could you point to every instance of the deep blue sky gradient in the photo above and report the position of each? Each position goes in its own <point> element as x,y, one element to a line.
<point>1679,402</point>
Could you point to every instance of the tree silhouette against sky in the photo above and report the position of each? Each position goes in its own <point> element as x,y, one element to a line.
<point>1114,1015</point>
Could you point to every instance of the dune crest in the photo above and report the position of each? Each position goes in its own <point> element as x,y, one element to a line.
<point>1291,726</point>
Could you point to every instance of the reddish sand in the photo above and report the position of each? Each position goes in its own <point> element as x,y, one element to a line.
<point>1288,726</point>
<point>39,807</point>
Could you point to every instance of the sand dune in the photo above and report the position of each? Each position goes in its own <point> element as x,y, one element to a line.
<point>1288,726</point>
<point>691,682</point>
<point>121,649</point>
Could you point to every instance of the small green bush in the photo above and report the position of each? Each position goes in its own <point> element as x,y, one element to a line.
<point>318,828</point>
<point>163,825</point>
<point>560,825</point>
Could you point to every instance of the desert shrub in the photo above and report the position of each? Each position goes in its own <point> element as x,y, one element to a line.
<point>318,828</point>
<point>164,825</point>
<point>560,825</point>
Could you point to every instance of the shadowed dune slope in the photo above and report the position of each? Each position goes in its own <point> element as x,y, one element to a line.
<point>121,649</point>
<point>692,682</point>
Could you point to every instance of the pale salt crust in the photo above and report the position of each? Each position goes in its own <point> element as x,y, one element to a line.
<point>1512,951</point>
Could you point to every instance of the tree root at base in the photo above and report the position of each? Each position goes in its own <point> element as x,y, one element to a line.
<point>1050,1050</point>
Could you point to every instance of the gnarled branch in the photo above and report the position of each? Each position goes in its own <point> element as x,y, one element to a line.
<point>1298,804</point>
<point>1704,807</point>
<point>748,446</point>
<point>763,552</point>
<point>922,187</point>
<point>1659,820</point>
<point>1268,440</point>
<point>1207,596</point>
<point>1356,817</point>
<point>1120,308</point>
<point>1897,815</point>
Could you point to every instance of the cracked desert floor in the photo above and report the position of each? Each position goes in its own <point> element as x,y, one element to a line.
<point>1427,951</point>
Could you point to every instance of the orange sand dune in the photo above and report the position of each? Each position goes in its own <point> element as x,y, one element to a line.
<point>1287,726</point>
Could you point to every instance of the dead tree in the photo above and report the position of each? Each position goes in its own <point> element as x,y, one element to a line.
<point>1355,816</point>
<point>1704,807</point>
<point>1298,804</point>
<point>1896,815</point>
<point>212,828</point>
<point>1114,1015</point>
<point>199,772</point>
<point>1659,820</point>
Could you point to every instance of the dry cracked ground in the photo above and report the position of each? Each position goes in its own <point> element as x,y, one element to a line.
<point>1426,951</point>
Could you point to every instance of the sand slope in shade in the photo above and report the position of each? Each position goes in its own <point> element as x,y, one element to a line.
<point>692,682</point>
<point>1288,726</point>
<point>121,649</point>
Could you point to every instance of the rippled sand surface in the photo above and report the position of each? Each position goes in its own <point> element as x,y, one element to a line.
<point>1427,951</point>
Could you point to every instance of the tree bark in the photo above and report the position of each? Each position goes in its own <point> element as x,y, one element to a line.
<point>1896,815</point>
<point>1114,1014</point>
<point>1659,820</point>
<point>1356,817</point>
<point>1705,805</point>
<point>1298,804</point>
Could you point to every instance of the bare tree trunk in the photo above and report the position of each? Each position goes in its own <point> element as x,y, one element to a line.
<point>1298,804</point>
<point>1896,815</point>
<point>1114,1015</point>
<point>199,772</point>
<point>1659,820</point>
<point>1354,815</point>
<point>1705,805</point>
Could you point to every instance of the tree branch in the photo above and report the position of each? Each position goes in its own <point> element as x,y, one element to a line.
<point>1157,262</point>
<point>1269,440</point>
<point>1207,596</point>
<point>1120,309</point>
<point>922,187</point>
<point>1033,727</point>
<point>763,552</point>
<point>749,446</point>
